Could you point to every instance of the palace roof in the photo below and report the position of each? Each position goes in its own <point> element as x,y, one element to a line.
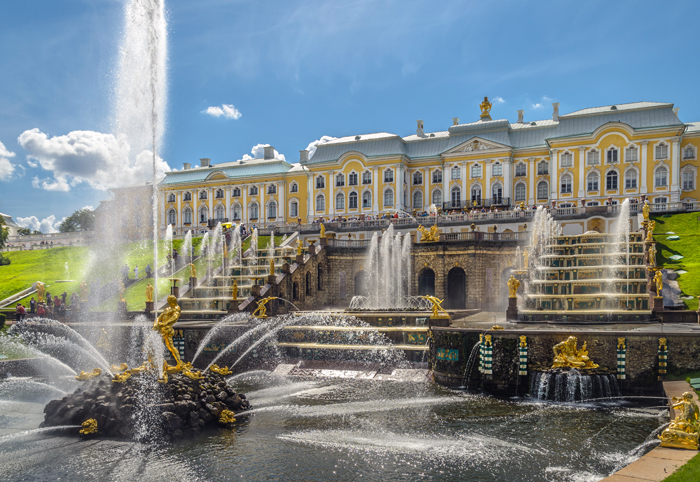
<point>236,169</point>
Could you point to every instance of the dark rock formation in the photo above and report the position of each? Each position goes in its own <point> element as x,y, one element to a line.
<point>142,408</point>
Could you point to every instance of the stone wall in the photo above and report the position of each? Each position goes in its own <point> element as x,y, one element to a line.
<point>642,370</point>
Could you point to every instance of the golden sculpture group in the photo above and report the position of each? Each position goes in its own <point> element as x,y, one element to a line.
<point>682,432</point>
<point>567,355</point>
<point>437,308</point>
<point>83,376</point>
<point>431,235</point>
<point>513,285</point>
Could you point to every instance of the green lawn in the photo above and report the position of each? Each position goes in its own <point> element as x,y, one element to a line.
<point>689,471</point>
<point>686,226</point>
<point>263,241</point>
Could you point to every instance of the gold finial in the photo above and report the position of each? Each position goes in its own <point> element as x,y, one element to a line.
<point>662,344</point>
<point>485,107</point>
<point>523,341</point>
<point>620,343</point>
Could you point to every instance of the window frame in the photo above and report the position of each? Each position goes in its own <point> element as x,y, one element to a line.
<point>366,200</point>
<point>437,176</point>
<point>417,178</point>
<point>340,206</point>
<point>518,171</point>
<point>522,186</point>
<point>566,159</point>
<point>631,175</point>
<point>353,196</point>
<point>628,150</point>
<point>438,192</point>
<point>254,210</point>
<point>253,191</point>
<point>340,180</point>
<point>589,187</point>
<point>546,190</point>
<point>388,194</point>
<point>320,203</point>
<point>567,184</point>
<point>612,177</point>
<point>388,175</point>
<point>320,182</point>
<point>543,168</point>
<point>657,171</point>
<point>367,177</point>
<point>417,193</point>
<point>294,187</point>
<point>172,217</point>
<point>187,216</point>
<point>476,171</point>
<point>353,177</point>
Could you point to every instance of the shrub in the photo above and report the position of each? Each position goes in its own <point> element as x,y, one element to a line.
<point>2,320</point>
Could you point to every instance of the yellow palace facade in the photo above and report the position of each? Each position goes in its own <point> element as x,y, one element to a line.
<point>594,156</point>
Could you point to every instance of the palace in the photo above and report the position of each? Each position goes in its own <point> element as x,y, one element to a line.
<point>590,157</point>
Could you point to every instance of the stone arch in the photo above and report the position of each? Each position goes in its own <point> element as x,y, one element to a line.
<point>456,288</point>
<point>426,282</point>
<point>319,280</point>
<point>295,290</point>
<point>308,284</point>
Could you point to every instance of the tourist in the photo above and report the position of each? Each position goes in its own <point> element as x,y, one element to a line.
<point>49,302</point>
<point>32,305</point>
<point>64,295</point>
<point>74,300</point>
<point>148,268</point>
<point>136,272</point>
<point>41,311</point>
<point>18,312</point>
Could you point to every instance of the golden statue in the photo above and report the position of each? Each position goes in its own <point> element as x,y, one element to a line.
<point>659,280</point>
<point>485,107</point>
<point>526,258</point>
<point>272,266</point>
<point>497,328</point>
<point>103,342</point>
<point>164,325</point>
<point>645,210</point>
<point>89,427</point>
<point>119,368</point>
<point>299,246</point>
<point>513,285</point>
<point>122,289</point>
<point>149,293</point>
<point>226,416</point>
<point>436,308</point>
<point>87,376</point>
<point>83,291</point>
<point>40,292</point>
<point>323,231</point>
<point>193,271</point>
<point>261,310</point>
<point>523,341</point>
<point>220,371</point>
<point>429,236</point>
<point>234,291</point>
<point>650,231</point>
<point>566,355</point>
<point>682,433</point>
<point>652,255</point>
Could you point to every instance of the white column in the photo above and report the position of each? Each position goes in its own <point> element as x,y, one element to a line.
<point>398,191</point>
<point>195,212</point>
<point>310,199</point>
<point>244,207</point>
<point>426,189</point>
<point>644,166</point>
<point>377,180</point>
<point>486,194</point>
<point>331,207</point>
<point>532,176</point>
<point>554,175</point>
<point>507,178</point>
<point>445,184</point>
<point>210,197</point>
<point>463,170</point>
<point>227,200</point>
<point>581,172</point>
<point>281,187</point>
<point>675,169</point>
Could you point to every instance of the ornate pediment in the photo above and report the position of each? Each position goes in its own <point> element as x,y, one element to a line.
<point>475,145</point>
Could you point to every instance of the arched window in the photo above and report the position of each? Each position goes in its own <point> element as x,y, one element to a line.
<point>219,213</point>
<point>272,210</point>
<point>417,178</point>
<point>566,184</point>
<point>308,283</point>
<point>340,201</point>
<point>253,190</point>
<point>187,216</point>
<point>272,189</point>
<point>631,179</point>
<point>592,181</point>
<point>253,211</point>
<point>188,196</point>
<point>418,200</point>
<point>236,212</point>
<point>497,193</point>
<point>236,192</point>
<point>294,187</point>
<point>203,215</point>
<point>388,198</point>
<point>171,198</point>
<point>689,153</point>
<point>497,169</point>
<point>476,170</point>
<point>219,194</point>
<point>172,217</point>
<point>476,194</point>
<point>437,176</point>
<point>661,177</point>
<point>437,198</point>
<point>202,194</point>
<point>352,200</point>
<point>340,179</point>
<point>294,209</point>
<point>611,180</point>
<point>388,175</point>
<point>366,200</point>
<point>520,191</point>
<point>320,203</point>
<point>661,151</point>
<point>367,177</point>
<point>352,179</point>
<point>320,182</point>
<point>456,196</point>
<point>520,169</point>
<point>542,189</point>
<point>319,278</point>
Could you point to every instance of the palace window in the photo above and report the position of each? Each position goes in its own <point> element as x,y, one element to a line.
<point>294,209</point>
<point>437,176</point>
<point>219,194</point>
<point>236,192</point>
<point>219,213</point>
<point>456,196</point>
<point>366,200</point>
<point>171,198</point>
<point>566,184</point>
<point>202,194</point>
<point>661,151</point>
<point>253,190</point>
<point>294,187</point>
<point>437,197</point>
<point>661,177</point>
<point>497,192</point>
<point>367,177</point>
<point>352,179</point>
<point>611,156</point>
<point>520,191</point>
<point>631,154</point>
<point>388,198</point>
<point>417,178</point>
<point>320,182</point>
<point>520,169</point>
<point>689,153</point>
<point>688,180</point>
<point>187,216</point>
<point>236,210</point>
<point>543,168</point>
<point>172,217</point>
<point>592,181</point>
<point>497,169</point>
<point>272,189</point>
<point>611,181</point>
<point>272,210</point>
<point>320,203</point>
<point>253,211</point>
<point>631,179</point>
<point>476,171</point>
<point>340,201</point>
<point>352,200</point>
<point>455,173</point>
<point>340,180</point>
<point>417,200</point>
<point>567,159</point>
<point>593,158</point>
<point>542,189</point>
<point>203,215</point>
<point>388,175</point>
<point>188,196</point>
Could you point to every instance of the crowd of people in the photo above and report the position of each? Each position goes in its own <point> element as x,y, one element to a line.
<point>53,306</point>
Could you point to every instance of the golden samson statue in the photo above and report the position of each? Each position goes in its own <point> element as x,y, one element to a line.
<point>567,355</point>
<point>164,325</point>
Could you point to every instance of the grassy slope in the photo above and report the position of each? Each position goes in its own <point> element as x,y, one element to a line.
<point>689,471</point>
<point>684,225</point>
<point>262,242</point>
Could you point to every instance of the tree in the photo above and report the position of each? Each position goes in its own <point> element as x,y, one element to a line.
<point>81,220</point>
<point>4,233</point>
<point>27,231</point>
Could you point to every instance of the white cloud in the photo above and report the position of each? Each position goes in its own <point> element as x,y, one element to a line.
<point>101,160</point>
<point>312,146</point>
<point>46,225</point>
<point>258,152</point>
<point>91,208</point>
<point>30,163</point>
<point>6,167</point>
<point>226,110</point>
<point>547,99</point>
<point>499,100</point>
<point>537,106</point>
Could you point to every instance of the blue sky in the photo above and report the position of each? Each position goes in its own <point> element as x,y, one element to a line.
<point>296,71</point>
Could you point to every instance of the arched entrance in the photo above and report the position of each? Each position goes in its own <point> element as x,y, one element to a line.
<point>426,282</point>
<point>360,287</point>
<point>456,288</point>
